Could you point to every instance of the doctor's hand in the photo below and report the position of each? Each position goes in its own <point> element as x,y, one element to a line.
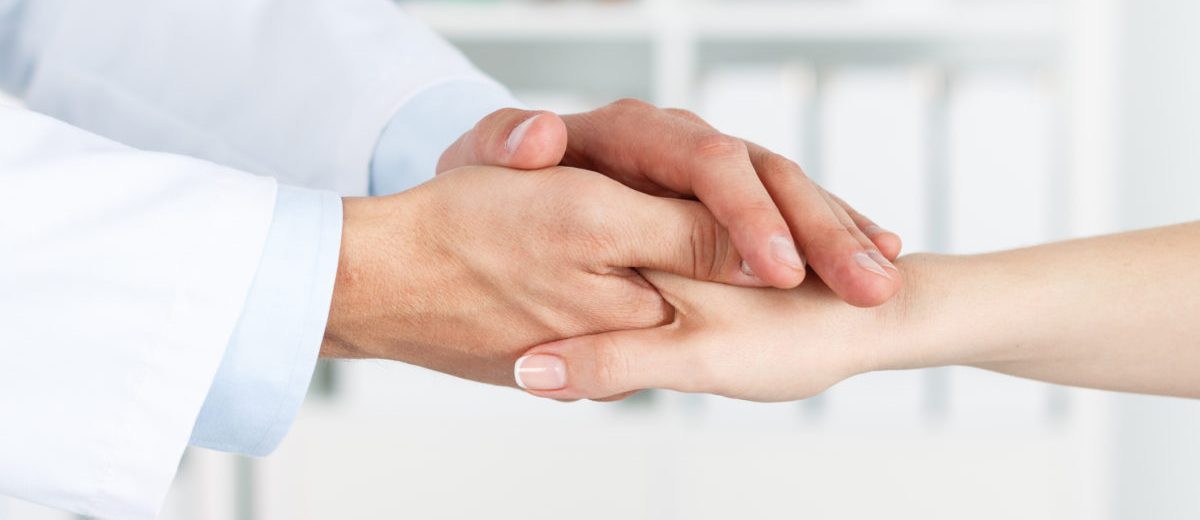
<point>466,271</point>
<point>764,199</point>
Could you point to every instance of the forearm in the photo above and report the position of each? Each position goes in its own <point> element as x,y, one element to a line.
<point>1117,312</point>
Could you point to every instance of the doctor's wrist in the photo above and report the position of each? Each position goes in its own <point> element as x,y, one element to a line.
<point>368,310</point>
<point>338,342</point>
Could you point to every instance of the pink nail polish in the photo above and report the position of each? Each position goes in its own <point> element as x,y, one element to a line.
<point>540,372</point>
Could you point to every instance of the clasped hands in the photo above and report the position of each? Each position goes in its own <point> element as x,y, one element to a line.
<point>631,247</point>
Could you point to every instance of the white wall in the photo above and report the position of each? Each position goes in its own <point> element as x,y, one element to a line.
<point>1160,112</point>
<point>1158,440</point>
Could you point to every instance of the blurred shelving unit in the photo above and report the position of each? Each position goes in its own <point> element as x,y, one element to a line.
<point>674,35</point>
<point>823,21</point>
<point>918,82</point>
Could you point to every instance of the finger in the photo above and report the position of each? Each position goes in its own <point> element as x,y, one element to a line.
<point>852,228</point>
<point>689,116</point>
<point>844,219</point>
<point>835,252</point>
<point>889,243</point>
<point>724,179</point>
<point>676,236</point>
<point>520,139</point>
<point>604,366</point>
<point>631,140</point>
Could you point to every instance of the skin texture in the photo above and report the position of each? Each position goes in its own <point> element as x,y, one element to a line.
<point>466,271</point>
<point>1117,312</point>
<point>764,199</point>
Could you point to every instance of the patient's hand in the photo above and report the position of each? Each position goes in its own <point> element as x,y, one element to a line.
<point>756,344</point>
<point>1123,319</point>
<point>466,271</point>
<point>764,199</point>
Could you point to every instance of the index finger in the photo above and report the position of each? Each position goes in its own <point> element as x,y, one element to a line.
<point>686,156</point>
<point>846,261</point>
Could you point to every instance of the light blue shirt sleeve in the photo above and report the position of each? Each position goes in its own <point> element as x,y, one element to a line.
<point>409,149</point>
<point>269,361</point>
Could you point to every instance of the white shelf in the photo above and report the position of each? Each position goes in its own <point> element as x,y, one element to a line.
<point>817,21</point>
<point>864,22</point>
<point>526,21</point>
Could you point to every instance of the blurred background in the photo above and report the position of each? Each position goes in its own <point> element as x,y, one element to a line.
<point>965,125</point>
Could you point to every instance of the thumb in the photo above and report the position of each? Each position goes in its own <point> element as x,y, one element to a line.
<point>512,138</point>
<point>612,364</point>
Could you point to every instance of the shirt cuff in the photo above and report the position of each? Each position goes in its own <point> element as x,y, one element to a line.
<point>411,144</point>
<point>269,360</point>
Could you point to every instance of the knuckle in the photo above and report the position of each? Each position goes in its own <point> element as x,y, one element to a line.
<point>589,222</point>
<point>586,214</point>
<point>630,104</point>
<point>685,114</point>
<point>779,164</point>
<point>719,146</point>
<point>709,247</point>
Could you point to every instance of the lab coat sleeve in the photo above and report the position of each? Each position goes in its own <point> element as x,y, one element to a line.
<point>122,276</point>
<point>297,89</point>
<point>266,369</point>
<point>268,364</point>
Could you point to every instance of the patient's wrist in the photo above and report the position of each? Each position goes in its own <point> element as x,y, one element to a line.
<point>955,310</point>
<point>922,326</point>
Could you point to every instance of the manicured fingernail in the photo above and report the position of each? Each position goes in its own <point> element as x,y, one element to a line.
<point>540,372</point>
<point>881,260</point>
<point>864,261</point>
<point>785,251</point>
<point>746,270</point>
<point>873,230</point>
<point>518,134</point>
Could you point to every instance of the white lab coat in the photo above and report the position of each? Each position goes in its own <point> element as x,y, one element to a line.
<point>123,272</point>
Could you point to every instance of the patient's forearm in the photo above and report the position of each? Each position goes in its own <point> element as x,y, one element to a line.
<point>1119,312</point>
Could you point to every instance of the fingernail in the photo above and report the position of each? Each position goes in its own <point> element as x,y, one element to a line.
<point>872,230</point>
<point>881,260</point>
<point>518,134</point>
<point>540,372</point>
<point>785,251</point>
<point>746,270</point>
<point>864,261</point>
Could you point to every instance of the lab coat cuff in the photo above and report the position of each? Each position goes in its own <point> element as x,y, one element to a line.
<point>423,127</point>
<point>270,358</point>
